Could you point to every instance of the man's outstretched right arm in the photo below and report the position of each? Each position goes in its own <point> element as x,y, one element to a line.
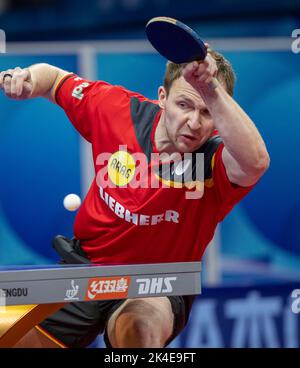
<point>39,80</point>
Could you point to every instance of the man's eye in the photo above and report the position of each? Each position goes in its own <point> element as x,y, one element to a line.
<point>182,104</point>
<point>206,112</point>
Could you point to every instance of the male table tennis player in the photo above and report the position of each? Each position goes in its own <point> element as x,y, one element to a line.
<point>147,225</point>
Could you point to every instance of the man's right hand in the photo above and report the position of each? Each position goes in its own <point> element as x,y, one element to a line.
<point>18,84</point>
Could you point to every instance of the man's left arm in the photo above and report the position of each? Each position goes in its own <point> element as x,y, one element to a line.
<point>245,156</point>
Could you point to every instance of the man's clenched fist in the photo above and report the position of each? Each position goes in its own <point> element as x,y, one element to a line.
<point>16,83</point>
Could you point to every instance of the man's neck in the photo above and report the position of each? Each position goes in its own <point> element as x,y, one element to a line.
<point>162,141</point>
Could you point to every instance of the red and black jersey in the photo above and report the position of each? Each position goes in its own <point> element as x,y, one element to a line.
<point>127,225</point>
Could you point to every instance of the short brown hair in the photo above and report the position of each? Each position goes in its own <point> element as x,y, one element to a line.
<point>225,72</point>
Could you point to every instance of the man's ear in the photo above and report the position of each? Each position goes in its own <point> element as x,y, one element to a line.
<point>162,97</point>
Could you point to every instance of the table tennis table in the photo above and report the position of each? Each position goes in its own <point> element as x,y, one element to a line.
<point>64,283</point>
<point>28,294</point>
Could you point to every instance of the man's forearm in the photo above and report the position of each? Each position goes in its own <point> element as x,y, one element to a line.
<point>34,81</point>
<point>43,78</point>
<point>241,138</point>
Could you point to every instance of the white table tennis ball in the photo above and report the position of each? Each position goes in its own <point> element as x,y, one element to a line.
<point>72,202</point>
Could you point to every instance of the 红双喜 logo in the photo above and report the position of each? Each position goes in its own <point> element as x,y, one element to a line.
<point>108,288</point>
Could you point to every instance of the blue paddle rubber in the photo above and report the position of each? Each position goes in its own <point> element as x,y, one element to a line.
<point>174,40</point>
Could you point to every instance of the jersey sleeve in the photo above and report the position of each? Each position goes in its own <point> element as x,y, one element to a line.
<point>229,194</point>
<point>76,96</point>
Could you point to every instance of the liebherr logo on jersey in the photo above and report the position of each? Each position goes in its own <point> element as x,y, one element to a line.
<point>156,285</point>
<point>137,218</point>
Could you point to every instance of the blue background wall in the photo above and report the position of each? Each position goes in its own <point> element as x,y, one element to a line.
<point>39,155</point>
<point>40,162</point>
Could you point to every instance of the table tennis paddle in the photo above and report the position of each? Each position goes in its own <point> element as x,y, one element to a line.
<point>174,40</point>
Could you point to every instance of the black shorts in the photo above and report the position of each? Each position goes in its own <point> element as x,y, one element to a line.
<point>78,324</point>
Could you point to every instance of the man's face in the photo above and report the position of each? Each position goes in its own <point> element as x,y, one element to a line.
<point>187,121</point>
